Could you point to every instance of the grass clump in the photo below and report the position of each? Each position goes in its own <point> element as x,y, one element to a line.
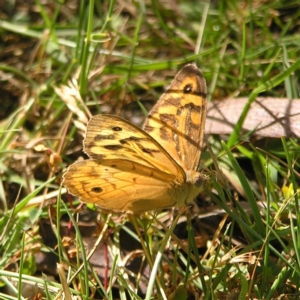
<point>61,63</point>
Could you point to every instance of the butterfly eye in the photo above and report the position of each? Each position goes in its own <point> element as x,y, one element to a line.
<point>188,89</point>
<point>198,181</point>
<point>117,128</point>
<point>97,189</point>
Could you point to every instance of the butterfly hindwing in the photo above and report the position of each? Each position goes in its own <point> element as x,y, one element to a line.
<point>119,185</point>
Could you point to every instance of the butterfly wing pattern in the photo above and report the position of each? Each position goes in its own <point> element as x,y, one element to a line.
<point>133,170</point>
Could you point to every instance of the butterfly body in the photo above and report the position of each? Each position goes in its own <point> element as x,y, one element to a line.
<point>134,170</point>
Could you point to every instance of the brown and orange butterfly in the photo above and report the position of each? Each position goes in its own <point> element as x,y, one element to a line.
<point>136,170</point>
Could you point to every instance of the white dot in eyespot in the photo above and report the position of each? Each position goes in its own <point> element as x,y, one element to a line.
<point>188,89</point>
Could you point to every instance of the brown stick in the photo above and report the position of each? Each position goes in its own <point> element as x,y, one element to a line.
<point>268,117</point>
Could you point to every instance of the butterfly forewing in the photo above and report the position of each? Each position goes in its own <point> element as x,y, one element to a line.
<point>110,137</point>
<point>177,120</point>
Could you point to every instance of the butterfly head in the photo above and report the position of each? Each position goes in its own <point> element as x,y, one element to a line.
<point>196,179</point>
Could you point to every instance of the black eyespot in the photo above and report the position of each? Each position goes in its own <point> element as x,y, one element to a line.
<point>117,128</point>
<point>188,89</point>
<point>97,189</point>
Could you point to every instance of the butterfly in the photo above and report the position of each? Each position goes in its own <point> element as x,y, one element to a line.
<point>136,170</point>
